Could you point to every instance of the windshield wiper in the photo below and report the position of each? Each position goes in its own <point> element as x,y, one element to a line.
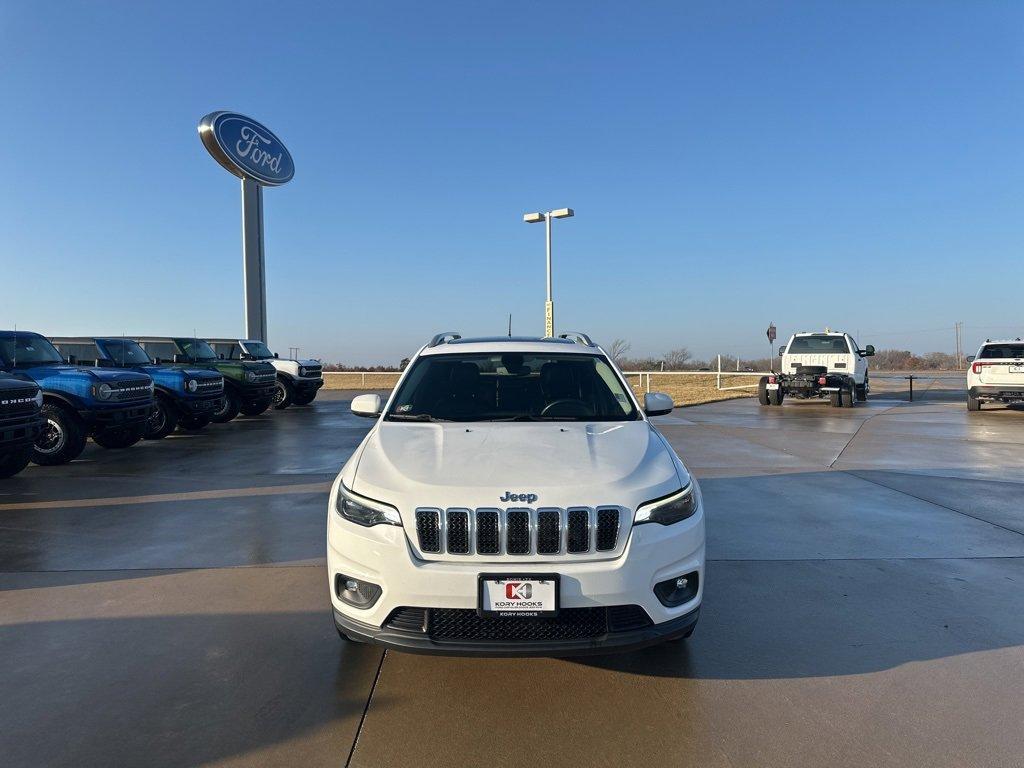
<point>413,417</point>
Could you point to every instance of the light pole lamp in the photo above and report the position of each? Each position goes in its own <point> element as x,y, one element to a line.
<point>546,217</point>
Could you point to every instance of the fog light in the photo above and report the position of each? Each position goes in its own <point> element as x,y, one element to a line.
<point>358,594</point>
<point>677,590</point>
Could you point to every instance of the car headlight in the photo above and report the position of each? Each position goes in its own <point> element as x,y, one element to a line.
<point>103,391</point>
<point>670,509</point>
<point>191,385</point>
<point>250,376</point>
<point>302,371</point>
<point>39,398</point>
<point>363,511</point>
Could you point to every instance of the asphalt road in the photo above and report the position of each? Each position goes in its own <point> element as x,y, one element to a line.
<point>167,606</point>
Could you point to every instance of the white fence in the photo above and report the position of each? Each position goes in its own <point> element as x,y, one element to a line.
<point>645,376</point>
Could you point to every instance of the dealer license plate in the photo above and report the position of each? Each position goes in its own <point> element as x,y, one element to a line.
<point>1017,369</point>
<point>771,386</point>
<point>518,595</point>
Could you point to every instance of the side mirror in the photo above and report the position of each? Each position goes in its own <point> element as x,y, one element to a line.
<point>72,360</point>
<point>971,358</point>
<point>179,359</point>
<point>368,406</point>
<point>275,355</point>
<point>220,356</point>
<point>782,351</point>
<point>868,351</point>
<point>657,404</point>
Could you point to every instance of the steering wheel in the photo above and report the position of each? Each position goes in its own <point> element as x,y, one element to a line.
<point>574,407</point>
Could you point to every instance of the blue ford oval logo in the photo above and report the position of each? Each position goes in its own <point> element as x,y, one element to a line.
<point>246,148</point>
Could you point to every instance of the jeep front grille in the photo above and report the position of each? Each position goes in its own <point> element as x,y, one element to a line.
<point>517,530</point>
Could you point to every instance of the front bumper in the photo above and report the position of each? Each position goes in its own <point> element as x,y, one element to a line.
<point>1008,392</point>
<point>19,431</point>
<point>610,642</point>
<point>382,555</point>
<point>101,419</point>
<point>200,406</point>
<point>256,393</point>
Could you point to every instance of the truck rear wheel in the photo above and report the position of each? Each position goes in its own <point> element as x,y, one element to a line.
<point>973,403</point>
<point>119,437</point>
<point>255,409</point>
<point>862,392</point>
<point>284,394</point>
<point>228,409</point>
<point>835,400</point>
<point>13,462</point>
<point>62,438</point>
<point>846,398</point>
<point>762,391</point>
<point>163,419</point>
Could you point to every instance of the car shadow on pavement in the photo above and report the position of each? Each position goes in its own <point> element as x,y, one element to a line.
<point>182,691</point>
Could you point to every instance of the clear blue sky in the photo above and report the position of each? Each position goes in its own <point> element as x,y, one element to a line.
<point>852,164</point>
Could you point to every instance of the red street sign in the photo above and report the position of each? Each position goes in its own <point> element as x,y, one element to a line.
<point>771,332</point>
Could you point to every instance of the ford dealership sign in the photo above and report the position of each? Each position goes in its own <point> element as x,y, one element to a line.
<point>246,148</point>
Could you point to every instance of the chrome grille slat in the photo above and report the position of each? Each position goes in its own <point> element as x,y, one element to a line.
<point>518,531</point>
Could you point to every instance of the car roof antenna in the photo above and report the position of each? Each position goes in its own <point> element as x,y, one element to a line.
<point>510,325</point>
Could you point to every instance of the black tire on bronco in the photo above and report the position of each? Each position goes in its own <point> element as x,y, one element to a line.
<point>62,438</point>
<point>229,408</point>
<point>255,409</point>
<point>12,463</point>
<point>120,437</point>
<point>163,420</point>
<point>284,394</point>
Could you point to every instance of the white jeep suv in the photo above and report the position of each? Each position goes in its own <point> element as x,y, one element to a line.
<point>996,374</point>
<point>513,499</point>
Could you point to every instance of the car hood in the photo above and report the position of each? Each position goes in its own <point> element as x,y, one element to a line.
<point>108,375</point>
<point>473,465</point>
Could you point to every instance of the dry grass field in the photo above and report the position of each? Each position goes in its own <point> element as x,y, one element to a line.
<point>684,390</point>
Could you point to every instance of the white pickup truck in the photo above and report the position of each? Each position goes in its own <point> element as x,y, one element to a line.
<point>996,374</point>
<point>819,365</point>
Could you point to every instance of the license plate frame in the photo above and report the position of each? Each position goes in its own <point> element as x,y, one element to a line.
<point>485,602</point>
<point>1016,368</point>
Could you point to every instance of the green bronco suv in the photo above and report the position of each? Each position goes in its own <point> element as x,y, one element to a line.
<point>248,385</point>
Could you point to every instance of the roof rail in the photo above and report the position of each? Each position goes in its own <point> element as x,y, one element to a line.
<point>442,338</point>
<point>578,338</point>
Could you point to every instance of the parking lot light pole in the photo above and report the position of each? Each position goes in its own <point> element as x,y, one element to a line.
<point>546,217</point>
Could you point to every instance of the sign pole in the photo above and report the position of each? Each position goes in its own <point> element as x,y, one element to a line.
<point>253,262</point>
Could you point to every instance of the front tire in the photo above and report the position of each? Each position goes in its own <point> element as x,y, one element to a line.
<point>193,423</point>
<point>62,438</point>
<point>12,463</point>
<point>119,437</point>
<point>229,408</point>
<point>862,392</point>
<point>255,409</point>
<point>284,394</point>
<point>163,420</point>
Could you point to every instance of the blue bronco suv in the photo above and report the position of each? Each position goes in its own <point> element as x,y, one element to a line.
<point>185,397</point>
<point>112,407</point>
<point>20,423</point>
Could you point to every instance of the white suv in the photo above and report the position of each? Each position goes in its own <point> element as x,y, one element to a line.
<point>513,499</point>
<point>297,380</point>
<point>996,374</point>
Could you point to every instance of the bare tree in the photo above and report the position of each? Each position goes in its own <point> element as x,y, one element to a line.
<point>619,349</point>
<point>675,359</point>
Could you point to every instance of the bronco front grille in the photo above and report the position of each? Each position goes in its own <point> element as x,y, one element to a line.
<point>518,531</point>
<point>208,386</point>
<point>130,390</point>
<point>17,401</point>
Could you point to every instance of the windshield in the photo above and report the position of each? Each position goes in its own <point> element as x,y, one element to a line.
<point>125,352</point>
<point>258,350</point>
<point>28,350</point>
<point>821,345</point>
<point>512,387</point>
<point>197,349</point>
